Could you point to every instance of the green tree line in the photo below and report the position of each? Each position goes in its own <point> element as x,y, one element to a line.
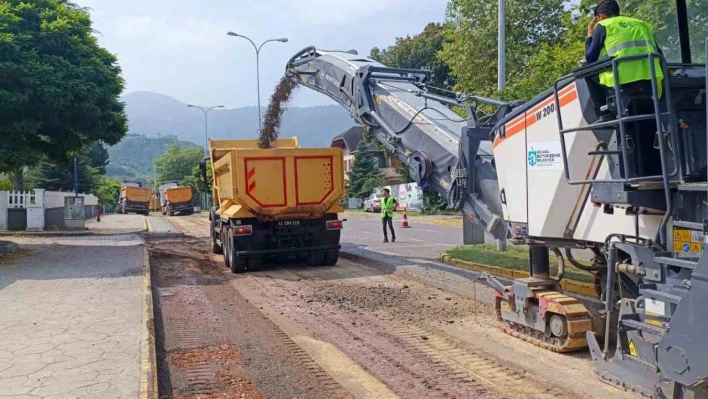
<point>545,40</point>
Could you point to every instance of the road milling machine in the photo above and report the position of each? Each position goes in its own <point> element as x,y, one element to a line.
<point>549,175</point>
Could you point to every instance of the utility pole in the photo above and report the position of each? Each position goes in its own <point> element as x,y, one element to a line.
<point>501,44</point>
<point>258,74</point>
<point>76,178</point>
<point>501,79</point>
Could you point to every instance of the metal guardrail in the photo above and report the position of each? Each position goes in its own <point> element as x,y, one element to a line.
<point>621,120</point>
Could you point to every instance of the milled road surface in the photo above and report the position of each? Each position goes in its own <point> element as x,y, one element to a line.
<point>373,326</point>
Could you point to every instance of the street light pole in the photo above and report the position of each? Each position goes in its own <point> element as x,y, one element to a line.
<point>501,45</point>
<point>258,73</point>
<point>206,111</point>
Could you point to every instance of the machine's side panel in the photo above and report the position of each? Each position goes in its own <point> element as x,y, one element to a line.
<point>556,204</point>
<point>595,225</point>
<point>510,155</point>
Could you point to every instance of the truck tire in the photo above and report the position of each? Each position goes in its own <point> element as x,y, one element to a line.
<point>331,257</point>
<point>316,258</point>
<point>215,247</point>
<point>239,264</point>
<point>226,245</point>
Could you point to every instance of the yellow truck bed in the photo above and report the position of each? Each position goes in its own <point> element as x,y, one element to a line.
<point>136,194</point>
<point>178,194</point>
<point>135,199</point>
<point>275,184</point>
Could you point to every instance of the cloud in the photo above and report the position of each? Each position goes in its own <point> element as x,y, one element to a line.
<point>324,12</point>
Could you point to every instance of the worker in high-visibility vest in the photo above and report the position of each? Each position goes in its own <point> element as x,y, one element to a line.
<point>388,206</point>
<point>611,36</point>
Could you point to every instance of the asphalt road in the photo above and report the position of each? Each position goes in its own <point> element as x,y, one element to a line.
<point>426,241</point>
<point>382,323</point>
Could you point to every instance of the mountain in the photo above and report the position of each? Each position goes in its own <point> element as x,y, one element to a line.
<point>151,114</point>
<point>133,158</point>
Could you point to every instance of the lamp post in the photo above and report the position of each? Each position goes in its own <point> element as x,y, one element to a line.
<point>501,44</point>
<point>205,110</point>
<point>258,76</point>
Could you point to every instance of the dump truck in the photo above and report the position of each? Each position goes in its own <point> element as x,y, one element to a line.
<point>154,203</point>
<point>134,198</point>
<point>275,202</point>
<point>176,199</point>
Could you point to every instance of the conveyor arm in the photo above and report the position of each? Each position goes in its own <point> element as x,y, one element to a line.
<point>444,152</point>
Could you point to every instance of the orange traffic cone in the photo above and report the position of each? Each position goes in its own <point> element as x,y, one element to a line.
<point>404,224</point>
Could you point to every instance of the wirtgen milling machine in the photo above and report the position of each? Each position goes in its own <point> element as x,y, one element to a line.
<point>544,174</point>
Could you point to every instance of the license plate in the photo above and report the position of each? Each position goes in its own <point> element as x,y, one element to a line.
<point>289,223</point>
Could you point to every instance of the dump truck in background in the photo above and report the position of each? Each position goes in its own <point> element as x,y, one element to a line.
<point>176,199</point>
<point>155,203</point>
<point>275,202</point>
<point>134,198</point>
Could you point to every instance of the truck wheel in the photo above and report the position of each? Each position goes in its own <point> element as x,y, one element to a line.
<point>226,245</point>
<point>215,247</point>
<point>239,264</point>
<point>316,258</point>
<point>331,257</point>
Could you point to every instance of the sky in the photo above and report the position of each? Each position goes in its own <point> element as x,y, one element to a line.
<point>180,47</point>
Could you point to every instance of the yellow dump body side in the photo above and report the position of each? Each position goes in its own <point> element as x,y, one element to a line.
<point>177,195</point>
<point>276,184</point>
<point>136,194</point>
<point>154,203</point>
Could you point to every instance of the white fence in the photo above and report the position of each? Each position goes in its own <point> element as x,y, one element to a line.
<point>23,200</point>
<point>35,202</point>
<point>55,199</point>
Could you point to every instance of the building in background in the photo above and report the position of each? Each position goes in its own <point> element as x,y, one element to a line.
<point>348,142</point>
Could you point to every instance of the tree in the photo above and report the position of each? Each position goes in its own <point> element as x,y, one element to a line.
<point>419,52</point>
<point>661,14</point>
<point>97,157</point>
<point>178,162</point>
<point>108,190</point>
<point>364,176</point>
<point>58,88</point>
<point>553,60</point>
<point>470,49</point>
<point>60,176</point>
<point>195,182</point>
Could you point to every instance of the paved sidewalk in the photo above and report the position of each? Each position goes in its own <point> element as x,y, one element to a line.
<point>70,319</point>
<point>117,224</point>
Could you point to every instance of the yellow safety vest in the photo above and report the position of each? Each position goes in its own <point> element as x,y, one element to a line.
<point>387,207</point>
<point>629,36</point>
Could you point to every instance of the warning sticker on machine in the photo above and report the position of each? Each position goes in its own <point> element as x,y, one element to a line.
<point>545,155</point>
<point>688,243</point>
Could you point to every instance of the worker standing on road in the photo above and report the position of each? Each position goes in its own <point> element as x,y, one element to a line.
<point>388,206</point>
<point>612,36</point>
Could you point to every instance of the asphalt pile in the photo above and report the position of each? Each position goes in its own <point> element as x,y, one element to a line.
<point>271,123</point>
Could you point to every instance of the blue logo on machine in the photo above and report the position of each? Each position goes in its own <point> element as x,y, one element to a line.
<point>533,157</point>
<point>686,248</point>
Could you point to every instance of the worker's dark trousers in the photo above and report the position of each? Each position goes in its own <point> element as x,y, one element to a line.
<point>388,220</point>
<point>599,93</point>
